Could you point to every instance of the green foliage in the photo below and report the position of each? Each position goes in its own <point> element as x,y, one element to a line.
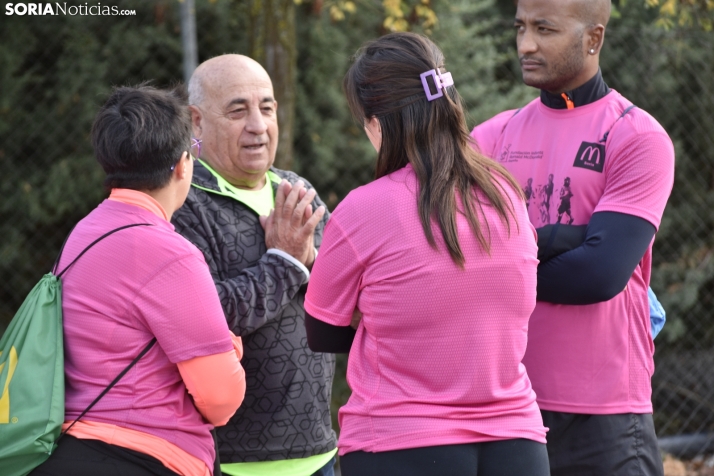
<point>55,71</point>
<point>330,148</point>
<point>683,13</point>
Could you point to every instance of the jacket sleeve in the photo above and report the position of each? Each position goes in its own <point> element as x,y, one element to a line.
<point>259,293</point>
<point>601,266</point>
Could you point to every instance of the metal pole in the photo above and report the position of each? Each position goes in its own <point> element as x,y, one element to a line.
<point>188,38</point>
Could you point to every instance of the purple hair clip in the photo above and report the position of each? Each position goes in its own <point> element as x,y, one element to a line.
<point>440,80</point>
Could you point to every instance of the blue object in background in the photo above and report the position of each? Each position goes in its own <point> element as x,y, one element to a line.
<point>657,314</point>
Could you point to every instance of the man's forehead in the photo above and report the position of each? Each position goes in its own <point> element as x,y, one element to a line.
<point>547,11</point>
<point>239,91</point>
<point>254,99</point>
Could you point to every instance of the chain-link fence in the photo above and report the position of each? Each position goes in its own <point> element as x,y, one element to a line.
<point>56,71</point>
<point>670,76</point>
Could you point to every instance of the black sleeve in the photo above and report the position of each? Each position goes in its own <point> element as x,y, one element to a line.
<point>323,337</point>
<point>554,240</point>
<point>600,268</point>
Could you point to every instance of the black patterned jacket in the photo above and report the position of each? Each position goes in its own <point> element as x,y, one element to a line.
<point>286,411</point>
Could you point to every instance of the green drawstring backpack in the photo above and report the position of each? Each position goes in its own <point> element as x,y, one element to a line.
<point>32,375</point>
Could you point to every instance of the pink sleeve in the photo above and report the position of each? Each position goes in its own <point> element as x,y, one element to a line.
<point>486,134</point>
<point>180,307</point>
<point>336,276</point>
<point>640,175</point>
<point>216,383</point>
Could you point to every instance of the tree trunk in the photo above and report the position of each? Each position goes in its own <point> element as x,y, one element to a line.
<point>273,44</point>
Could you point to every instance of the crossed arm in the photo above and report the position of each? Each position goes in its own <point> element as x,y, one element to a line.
<point>593,263</point>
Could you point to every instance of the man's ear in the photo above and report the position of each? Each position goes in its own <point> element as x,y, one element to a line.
<point>595,38</point>
<point>196,121</point>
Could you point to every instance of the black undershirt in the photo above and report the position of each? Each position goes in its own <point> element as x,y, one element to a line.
<point>588,93</point>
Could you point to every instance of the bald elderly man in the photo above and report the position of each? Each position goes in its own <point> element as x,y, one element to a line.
<point>590,350</point>
<point>259,228</point>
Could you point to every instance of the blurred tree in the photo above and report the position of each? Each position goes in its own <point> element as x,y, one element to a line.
<point>55,71</point>
<point>683,13</point>
<point>273,44</point>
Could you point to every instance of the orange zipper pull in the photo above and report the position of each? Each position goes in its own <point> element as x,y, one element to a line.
<point>568,101</point>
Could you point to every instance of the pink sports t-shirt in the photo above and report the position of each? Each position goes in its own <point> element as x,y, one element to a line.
<point>598,358</point>
<point>437,355</point>
<point>135,284</point>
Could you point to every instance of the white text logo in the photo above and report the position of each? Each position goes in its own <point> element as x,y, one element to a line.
<point>58,8</point>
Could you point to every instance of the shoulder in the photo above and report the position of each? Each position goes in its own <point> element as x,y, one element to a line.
<point>633,119</point>
<point>199,206</point>
<point>380,197</point>
<point>493,126</point>
<point>169,245</point>
<point>487,133</point>
<point>202,177</point>
<point>151,239</point>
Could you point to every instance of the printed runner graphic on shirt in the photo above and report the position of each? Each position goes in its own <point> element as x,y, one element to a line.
<point>528,192</point>
<point>545,193</point>
<point>590,156</point>
<point>564,208</point>
<point>540,196</point>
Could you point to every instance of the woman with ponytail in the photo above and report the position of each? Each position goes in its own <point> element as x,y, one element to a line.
<point>438,257</point>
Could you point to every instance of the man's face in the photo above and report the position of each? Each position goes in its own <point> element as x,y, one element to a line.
<point>238,126</point>
<point>550,44</point>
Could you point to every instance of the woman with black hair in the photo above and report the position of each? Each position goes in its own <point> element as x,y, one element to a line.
<point>438,256</point>
<point>142,283</point>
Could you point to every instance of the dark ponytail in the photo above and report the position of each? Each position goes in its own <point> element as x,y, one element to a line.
<point>384,82</point>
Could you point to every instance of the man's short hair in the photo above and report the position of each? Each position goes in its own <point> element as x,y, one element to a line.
<point>139,134</point>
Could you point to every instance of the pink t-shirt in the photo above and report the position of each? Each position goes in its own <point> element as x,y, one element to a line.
<point>138,283</point>
<point>437,356</point>
<point>598,358</point>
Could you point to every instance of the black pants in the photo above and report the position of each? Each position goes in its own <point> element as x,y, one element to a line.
<point>75,457</point>
<point>498,458</point>
<point>602,445</point>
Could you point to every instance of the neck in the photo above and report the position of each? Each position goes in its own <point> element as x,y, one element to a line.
<point>250,185</point>
<point>142,199</point>
<point>587,93</point>
<point>166,198</point>
<point>257,184</point>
